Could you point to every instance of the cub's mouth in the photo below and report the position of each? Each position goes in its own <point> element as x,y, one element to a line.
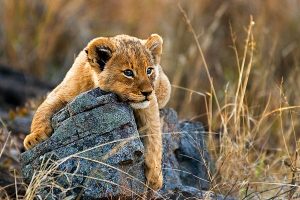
<point>140,105</point>
<point>136,102</point>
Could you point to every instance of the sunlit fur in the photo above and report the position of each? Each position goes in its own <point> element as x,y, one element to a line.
<point>120,53</point>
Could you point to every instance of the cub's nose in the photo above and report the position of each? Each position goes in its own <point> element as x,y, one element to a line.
<point>146,93</point>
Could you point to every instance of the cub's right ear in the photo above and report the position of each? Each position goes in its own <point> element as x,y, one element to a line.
<point>154,44</point>
<point>99,51</point>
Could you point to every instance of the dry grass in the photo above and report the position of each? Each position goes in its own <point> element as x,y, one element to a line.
<point>246,166</point>
<point>43,178</point>
<point>9,165</point>
<point>49,171</point>
<point>241,79</point>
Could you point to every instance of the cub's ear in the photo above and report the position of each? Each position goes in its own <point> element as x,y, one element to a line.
<point>154,44</point>
<point>99,51</point>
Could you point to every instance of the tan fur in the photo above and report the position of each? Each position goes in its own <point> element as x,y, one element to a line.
<point>102,64</point>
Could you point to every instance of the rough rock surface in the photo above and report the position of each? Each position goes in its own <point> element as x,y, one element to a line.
<point>186,161</point>
<point>95,153</point>
<point>81,130</point>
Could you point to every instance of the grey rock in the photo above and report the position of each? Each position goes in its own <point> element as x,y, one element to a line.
<point>193,156</point>
<point>186,161</point>
<point>95,153</point>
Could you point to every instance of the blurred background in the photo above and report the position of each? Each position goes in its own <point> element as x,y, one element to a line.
<point>40,39</point>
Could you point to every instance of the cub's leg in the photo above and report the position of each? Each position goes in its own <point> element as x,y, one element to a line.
<point>41,124</point>
<point>149,123</point>
<point>77,80</point>
<point>162,89</point>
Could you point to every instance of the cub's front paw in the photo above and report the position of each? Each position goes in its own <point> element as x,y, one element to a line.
<point>154,179</point>
<point>33,139</point>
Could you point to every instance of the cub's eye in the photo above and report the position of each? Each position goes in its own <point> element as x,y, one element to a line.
<point>149,70</point>
<point>128,73</point>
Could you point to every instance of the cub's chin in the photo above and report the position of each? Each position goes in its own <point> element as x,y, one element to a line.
<point>140,105</point>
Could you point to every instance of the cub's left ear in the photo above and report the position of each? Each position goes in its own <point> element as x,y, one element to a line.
<point>99,51</point>
<point>154,44</point>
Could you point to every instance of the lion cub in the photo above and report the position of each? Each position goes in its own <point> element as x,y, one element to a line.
<point>127,66</point>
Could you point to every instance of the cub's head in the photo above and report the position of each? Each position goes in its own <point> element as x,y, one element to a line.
<point>127,66</point>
